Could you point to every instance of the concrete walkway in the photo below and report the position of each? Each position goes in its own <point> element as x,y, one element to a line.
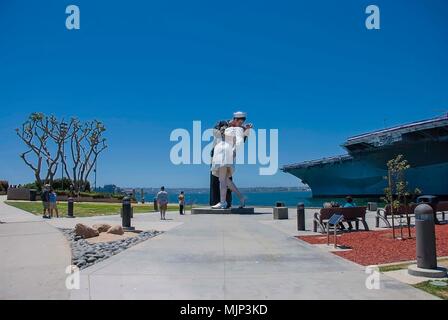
<point>33,256</point>
<point>198,257</point>
<point>231,257</point>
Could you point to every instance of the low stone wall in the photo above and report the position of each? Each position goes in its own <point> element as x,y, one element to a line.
<point>18,194</point>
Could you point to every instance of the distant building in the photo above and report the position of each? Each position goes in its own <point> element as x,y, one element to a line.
<point>109,188</point>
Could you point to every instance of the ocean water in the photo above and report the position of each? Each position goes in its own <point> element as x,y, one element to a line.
<point>291,199</point>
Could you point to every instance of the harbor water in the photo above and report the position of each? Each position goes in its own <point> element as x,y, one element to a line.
<point>290,198</point>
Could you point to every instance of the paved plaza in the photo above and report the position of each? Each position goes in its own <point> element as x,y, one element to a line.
<point>197,257</point>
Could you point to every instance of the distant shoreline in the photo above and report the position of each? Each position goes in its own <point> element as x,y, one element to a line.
<point>206,190</point>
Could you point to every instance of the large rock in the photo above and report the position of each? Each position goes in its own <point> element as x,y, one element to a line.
<point>101,227</point>
<point>116,230</point>
<point>85,231</point>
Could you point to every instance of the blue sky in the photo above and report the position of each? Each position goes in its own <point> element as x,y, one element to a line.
<point>308,68</point>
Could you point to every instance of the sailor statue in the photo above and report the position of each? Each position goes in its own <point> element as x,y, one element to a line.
<point>229,135</point>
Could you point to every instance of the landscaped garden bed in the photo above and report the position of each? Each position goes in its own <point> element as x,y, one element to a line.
<point>378,247</point>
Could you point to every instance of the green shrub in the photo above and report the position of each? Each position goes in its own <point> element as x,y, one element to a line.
<point>62,192</point>
<point>32,185</point>
<point>4,185</point>
<point>61,184</point>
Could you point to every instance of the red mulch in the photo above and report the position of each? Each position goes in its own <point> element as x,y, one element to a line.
<point>378,247</point>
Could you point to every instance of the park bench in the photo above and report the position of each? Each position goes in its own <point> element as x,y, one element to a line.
<point>352,214</point>
<point>403,211</point>
<point>407,212</point>
<point>442,208</point>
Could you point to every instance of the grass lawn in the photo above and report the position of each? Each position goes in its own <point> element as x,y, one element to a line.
<point>86,209</point>
<point>441,292</point>
<point>394,267</point>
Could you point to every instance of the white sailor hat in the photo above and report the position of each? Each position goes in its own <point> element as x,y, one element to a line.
<point>239,114</point>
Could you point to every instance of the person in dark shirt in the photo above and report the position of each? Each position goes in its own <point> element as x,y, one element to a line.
<point>45,196</point>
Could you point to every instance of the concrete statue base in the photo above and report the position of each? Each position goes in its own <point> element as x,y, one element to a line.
<point>209,210</point>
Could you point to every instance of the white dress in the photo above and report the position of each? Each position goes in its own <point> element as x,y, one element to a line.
<point>224,151</point>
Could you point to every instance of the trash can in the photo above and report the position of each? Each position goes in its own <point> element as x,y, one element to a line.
<point>279,204</point>
<point>372,206</point>
<point>432,201</point>
<point>33,194</point>
<point>280,213</point>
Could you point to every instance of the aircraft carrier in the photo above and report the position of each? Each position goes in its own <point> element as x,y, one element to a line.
<point>361,171</point>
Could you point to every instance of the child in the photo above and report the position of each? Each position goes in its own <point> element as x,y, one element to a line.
<point>53,205</point>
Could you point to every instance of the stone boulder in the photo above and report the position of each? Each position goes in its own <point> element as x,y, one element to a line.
<point>101,227</point>
<point>85,231</point>
<point>116,230</point>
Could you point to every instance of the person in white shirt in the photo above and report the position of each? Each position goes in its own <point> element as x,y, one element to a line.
<point>162,201</point>
<point>227,141</point>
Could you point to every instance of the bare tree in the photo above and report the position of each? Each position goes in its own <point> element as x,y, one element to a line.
<point>46,137</point>
<point>86,143</point>
<point>36,139</point>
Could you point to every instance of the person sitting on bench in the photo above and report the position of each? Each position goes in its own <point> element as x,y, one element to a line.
<point>349,204</point>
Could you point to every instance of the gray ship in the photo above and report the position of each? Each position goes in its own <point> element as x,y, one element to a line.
<point>361,171</point>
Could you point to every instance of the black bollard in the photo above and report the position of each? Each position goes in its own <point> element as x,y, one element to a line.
<point>126,214</point>
<point>70,204</point>
<point>426,245</point>
<point>426,237</point>
<point>156,207</point>
<point>301,217</point>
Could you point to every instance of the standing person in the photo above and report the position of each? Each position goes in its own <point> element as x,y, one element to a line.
<point>45,197</point>
<point>52,197</point>
<point>162,201</point>
<point>181,199</point>
<point>228,140</point>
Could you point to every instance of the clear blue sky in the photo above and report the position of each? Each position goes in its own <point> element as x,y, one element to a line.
<point>309,68</point>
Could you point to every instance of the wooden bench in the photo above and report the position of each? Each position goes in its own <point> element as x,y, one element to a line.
<point>383,214</point>
<point>350,214</point>
<point>442,208</point>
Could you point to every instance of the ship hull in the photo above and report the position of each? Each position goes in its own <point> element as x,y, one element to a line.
<point>364,174</point>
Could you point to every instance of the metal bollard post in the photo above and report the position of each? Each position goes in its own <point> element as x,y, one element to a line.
<point>426,244</point>
<point>126,214</point>
<point>426,237</point>
<point>301,217</point>
<point>70,204</point>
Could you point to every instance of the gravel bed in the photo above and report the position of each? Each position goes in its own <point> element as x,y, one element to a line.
<point>85,254</point>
